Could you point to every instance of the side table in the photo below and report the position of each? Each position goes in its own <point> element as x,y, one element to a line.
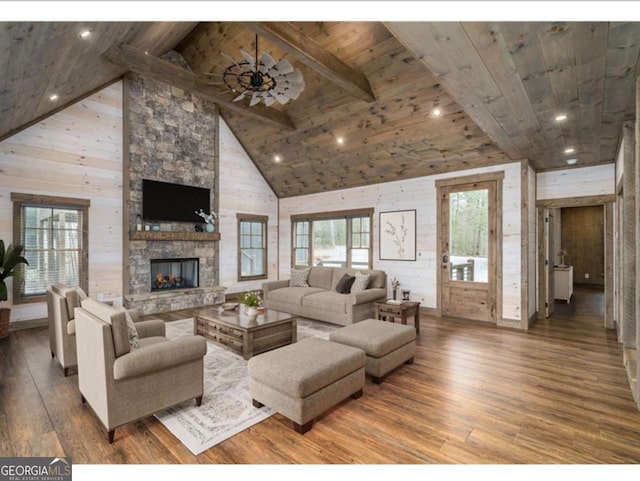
<point>385,310</point>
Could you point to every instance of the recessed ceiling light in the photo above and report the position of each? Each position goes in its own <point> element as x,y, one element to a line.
<point>85,34</point>
<point>561,117</point>
<point>340,140</point>
<point>277,158</point>
<point>53,97</point>
<point>572,161</point>
<point>436,112</point>
<point>569,150</point>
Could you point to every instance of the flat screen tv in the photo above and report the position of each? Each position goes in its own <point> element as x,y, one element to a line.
<point>163,201</point>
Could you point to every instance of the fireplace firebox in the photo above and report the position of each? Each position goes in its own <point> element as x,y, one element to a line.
<point>174,274</point>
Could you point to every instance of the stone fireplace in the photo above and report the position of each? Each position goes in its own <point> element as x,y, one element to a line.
<point>167,274</point>
<point>171,138</point>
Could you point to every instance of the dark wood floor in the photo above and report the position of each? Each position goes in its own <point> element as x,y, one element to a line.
<point>475,394</point>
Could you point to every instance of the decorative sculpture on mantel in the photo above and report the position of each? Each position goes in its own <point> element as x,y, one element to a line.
<point>208,219</point>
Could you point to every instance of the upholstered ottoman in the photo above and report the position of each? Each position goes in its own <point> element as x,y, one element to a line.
<point>387,344</point>
<point>303,380</point>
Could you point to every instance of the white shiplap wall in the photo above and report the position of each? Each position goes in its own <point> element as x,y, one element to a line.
<point>419,194</point>
<point>76,152</point>
<point>242,190</point>
<point>582,182</point>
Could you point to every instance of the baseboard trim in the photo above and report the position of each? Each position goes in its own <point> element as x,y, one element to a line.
<point>511,323</point>
<point>28,324</point>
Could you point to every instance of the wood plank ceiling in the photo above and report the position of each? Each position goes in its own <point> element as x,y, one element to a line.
<point>499,86</point>
<point>39,59</point>
<point>391,138</point>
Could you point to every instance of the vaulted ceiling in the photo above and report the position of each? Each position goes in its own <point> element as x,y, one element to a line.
<point>499,86</point>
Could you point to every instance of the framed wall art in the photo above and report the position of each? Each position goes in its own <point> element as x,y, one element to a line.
<point>398,235</point>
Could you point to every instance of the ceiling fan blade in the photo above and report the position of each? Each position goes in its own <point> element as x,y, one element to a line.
<point>283,67</point>
<point>295,76</point>
<point>248,58</point>
<point>255,99</point>
<point>239,97</point>
<point>283,99</point>
<point>266,62</point>
<point>269,100</point>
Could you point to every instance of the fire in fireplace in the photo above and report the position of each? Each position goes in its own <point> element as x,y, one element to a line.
<point>174,274</point>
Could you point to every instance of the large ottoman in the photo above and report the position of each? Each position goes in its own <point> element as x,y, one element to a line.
<point>303,380</point>
<point>386,344</point>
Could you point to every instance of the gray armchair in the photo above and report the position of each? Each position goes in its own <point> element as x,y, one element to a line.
<point>122,384</point>
<point>61,302</point>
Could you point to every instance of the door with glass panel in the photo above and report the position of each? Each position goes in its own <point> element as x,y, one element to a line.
<point>468,247</point>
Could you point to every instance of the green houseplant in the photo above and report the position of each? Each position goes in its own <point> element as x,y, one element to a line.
<point>9,260</point>
<point>251,301</point>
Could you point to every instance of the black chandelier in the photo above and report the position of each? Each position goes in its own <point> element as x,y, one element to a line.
<point>263,80</point>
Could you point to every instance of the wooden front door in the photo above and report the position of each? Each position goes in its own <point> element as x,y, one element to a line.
<point>469,213</point>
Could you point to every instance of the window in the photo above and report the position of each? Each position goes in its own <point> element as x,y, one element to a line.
<point>54,232</point>
<point>252,247</point>
<point>333,239</point>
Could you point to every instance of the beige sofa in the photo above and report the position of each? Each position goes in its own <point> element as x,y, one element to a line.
<point>321,301</point>
<point>122,383</point>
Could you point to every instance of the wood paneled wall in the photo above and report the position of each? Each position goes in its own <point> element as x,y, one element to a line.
<point>243,190</point>
<point>75,153</point>
<point>569,183</point>
<point>419,276</point>
<point>583,239</point>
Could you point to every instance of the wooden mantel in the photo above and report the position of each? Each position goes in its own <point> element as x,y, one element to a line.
<point>174,236</point>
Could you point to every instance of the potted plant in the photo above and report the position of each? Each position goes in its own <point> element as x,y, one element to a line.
<point>9,259</point>
<point>252,301</point>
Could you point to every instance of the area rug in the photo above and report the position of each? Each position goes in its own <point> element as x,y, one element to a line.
<point>226,406</point>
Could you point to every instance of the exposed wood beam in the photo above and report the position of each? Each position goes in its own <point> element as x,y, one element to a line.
<point>163,71</point>
<point>423,41</point>
<point>307,51</point>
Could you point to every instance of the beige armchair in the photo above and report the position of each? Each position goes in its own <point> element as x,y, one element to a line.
<point>61,302</point>
<point>122,384</point>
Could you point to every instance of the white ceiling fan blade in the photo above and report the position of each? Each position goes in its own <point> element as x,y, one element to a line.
<point>292,85</point>
<point>255,99</point>
<point>248,58</point>
<point>239,97</point>
<point>295,76</point>
<point>269,100</point>
<point>283,99</point>
<point>283,67</point>
<point>267,62</point>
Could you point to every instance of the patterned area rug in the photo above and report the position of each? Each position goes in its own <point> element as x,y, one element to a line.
<point>226,406</point>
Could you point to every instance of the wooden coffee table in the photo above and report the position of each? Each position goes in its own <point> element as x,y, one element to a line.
<point>234,329</point>
<point>385,310</point>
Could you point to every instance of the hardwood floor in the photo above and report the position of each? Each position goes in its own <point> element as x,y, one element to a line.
<point>476,394</point>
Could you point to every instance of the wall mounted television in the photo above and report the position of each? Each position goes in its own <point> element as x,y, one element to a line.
<point>163,201</point>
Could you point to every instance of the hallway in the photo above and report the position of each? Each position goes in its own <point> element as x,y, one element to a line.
<point>586,306</point>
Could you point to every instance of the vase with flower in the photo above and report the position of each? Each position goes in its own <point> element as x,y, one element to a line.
<point>251,301</point>
<point>395,283</point>
<point>562,253</point>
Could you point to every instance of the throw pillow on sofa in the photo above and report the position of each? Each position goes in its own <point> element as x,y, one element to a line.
<point>344,284</point>
<point>300,277</point>
<point>361,282</point>
<point>134,339</point>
